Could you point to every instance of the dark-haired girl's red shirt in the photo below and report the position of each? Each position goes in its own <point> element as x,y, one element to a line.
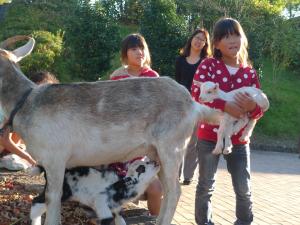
<point>122,73</point>
<point>215,70</point>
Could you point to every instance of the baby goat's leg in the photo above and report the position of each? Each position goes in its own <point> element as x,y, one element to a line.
<point>247,132</point>
<point>119,220</point>
<point>103,211</point>
<point>221,135</point>
<point>228,132</point>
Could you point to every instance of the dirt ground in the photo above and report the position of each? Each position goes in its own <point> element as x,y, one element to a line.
<point>17,189</point>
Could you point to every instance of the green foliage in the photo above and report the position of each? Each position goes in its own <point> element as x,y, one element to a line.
<point>282,119</point>
<point>257,18</point>
<point>93,38</point>
<point>44,20</point>
<point>48,47</point>
<point>285,45</point>
<point>165,33</point>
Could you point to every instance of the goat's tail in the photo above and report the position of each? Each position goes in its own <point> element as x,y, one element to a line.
<point>207,114</point>
<point>36,170</point>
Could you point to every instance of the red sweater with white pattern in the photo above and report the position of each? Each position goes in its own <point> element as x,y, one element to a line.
<point>215,70</point>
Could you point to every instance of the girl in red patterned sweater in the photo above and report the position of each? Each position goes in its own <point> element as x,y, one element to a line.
<point>231,70</point>
<point>136,62</point>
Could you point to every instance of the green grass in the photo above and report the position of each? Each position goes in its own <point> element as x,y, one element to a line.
<point>283,117</point>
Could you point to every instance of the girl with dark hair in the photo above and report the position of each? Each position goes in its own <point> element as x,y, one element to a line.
<point>136,61</point>
<point>135,58</point>
<point>195,50</point>
<point>230,68</point>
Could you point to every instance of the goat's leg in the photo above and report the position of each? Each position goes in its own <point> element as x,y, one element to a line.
<point>103,211</point>
<point>168,175</point>
<point>239,124</point>
<point>36,212</point>
<point>228,132</point>
<point>227,144</point>
<point>119,220</point>
<point>221,135</point>
<point>247,132</point>
<point>55,176</point>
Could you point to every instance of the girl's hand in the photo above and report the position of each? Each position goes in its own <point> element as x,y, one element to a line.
<point>245,102</point>
<point>234,110</point>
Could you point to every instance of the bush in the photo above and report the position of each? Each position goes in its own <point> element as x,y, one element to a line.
<point>165,33</point>
<point>285,46</point>
<point>48,48</point>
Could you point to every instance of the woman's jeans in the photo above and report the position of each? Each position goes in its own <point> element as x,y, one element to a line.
<point>238,165</point>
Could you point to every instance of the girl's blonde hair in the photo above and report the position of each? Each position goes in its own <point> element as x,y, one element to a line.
<point>205,52</point>
<point>225,26</point>
<point>133,41</point>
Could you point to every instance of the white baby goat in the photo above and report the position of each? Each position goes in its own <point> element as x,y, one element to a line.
<point>228,124</point>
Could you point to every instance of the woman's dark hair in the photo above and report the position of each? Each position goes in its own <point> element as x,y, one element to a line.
<point>205,52</point>
<point>224,27</point>
<point>133,41</point>
<point>43,77</point>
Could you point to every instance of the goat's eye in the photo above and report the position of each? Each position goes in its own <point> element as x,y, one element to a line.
<point>141,169</point>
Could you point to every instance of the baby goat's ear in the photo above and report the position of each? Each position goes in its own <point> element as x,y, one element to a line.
<point>216,86</point>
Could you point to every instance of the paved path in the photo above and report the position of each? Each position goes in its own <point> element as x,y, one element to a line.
<point>275,188</point>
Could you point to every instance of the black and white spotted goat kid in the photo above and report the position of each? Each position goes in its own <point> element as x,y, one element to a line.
<point>102,190</point>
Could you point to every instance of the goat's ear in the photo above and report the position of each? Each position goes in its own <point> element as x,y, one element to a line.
<point>216,86</point>
<point>24,50</point>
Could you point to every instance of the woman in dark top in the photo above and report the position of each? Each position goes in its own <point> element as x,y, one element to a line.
<point>195,50</point>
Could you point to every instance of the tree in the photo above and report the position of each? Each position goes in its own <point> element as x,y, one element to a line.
<point>257,17</point>
<point>93,38</point>
<point>165,33</point>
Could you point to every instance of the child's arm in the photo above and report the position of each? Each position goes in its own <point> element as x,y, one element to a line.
<point>234,109</point>
<point>10,146</point>
<point>247,103</point>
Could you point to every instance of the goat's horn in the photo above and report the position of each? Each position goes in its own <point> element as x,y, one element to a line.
<point>9,41</point>
<point>24,50</point>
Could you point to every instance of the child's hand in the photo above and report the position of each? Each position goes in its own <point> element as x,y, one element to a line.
<point>234,110</point>
<point>245,102</point>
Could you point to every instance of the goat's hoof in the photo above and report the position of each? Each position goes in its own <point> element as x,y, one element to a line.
<point>217,151</point>
<point>227,151</point>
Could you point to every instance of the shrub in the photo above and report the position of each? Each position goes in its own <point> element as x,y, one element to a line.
<point>165,33</point>
<point>48,48</point>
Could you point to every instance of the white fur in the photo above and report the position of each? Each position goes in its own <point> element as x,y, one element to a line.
<point>97,189</point>
<point>228,124</point>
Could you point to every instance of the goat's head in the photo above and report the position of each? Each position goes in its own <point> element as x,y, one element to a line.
<point>143,171</point>
<point>209,91</point>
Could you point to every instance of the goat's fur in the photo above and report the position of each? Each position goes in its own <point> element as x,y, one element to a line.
<point>102,190</point>
<point>228,124</point>
<point>88,124</point>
